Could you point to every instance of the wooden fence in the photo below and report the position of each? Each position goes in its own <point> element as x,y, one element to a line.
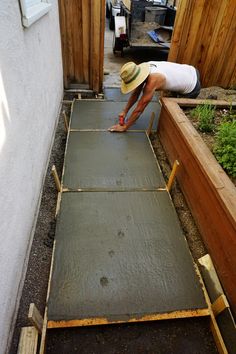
<point>205,36</point>
<point>82,25</point>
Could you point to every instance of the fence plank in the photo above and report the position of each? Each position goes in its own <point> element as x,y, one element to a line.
<point>204,36</point>
<point>82,32</point>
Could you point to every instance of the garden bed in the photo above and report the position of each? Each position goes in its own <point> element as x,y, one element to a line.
<point>217,128</point>
<point>210,193</point>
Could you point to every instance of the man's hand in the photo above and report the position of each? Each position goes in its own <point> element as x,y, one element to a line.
<point>118,128</point>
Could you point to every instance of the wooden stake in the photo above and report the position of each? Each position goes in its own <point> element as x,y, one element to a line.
<point>149,130</point>
<point>28,341</point>
<point>58,203</point>
<point>56,178</point>
<point>172,175</point>
<point>66,122</point>
<point>45,319</point>
<point>220,305</point>
<point>35,317</point>
<point>213,324</point>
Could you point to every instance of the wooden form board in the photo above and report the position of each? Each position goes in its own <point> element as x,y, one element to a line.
<point>82,26</point>
<point>204,36</point>
<point>209,192</point>
<point>121,257</point>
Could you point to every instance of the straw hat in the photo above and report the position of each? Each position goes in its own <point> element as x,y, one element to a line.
<point>133,75</point>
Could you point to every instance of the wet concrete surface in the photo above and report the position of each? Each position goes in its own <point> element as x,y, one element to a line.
<point>102,115</point>
<point>120,255</point>
<point>178,337</point>
<point>104,160</point>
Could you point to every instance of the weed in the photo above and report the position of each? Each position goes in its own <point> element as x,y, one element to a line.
<point>230,115</point>
<point>225,146</point>
<point>205,114</point>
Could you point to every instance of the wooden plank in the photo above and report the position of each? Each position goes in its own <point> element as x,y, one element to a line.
<point>213,324</point>
<point>210,277</point>
<point>102,38</point>
<point>77,43</point>
<point>220,305</point>
<point>69,5</point>
<point>56,178</point>
<point>95,45</point>
<point>206,27</point>
<point>28,341</point>
<point>91,44</point>
<point>189,102</point>
<point>157,317</point>
<point>176,39</point>
<point>222,43</point>
<point>149,129</point>
<point>62,13</point>
<point>233,78</point>
<point>45,318</point>
<point>182,142</point>
<point>86,23</point>
<point>172,175</point>
<point>211,58</point>
<point>35,318</point>
<point>204,30</point>
<point>192,37</point>
<point>227,75</point>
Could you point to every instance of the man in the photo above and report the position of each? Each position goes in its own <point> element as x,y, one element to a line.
<point>181,79</point>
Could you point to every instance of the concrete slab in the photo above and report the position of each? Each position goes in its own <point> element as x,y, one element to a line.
<point>104,160</point>
<point>91,114</point>
<point>120,256</point>
<point>115,94</point>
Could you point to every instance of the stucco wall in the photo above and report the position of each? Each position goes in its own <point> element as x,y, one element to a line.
<point>31,89</point>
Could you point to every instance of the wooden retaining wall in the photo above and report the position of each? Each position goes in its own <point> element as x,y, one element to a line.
<point>204,36</point>
<point>209,192</point>
<point>82,34</point>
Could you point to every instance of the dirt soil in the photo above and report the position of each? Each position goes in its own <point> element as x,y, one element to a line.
<point>179,336</point>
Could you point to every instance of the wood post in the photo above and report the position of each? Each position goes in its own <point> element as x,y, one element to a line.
<point>149,130</point>
<point>35,317</point>
<point>56,178</point>
<point>213,324</point>
<point>172,175</point>
<point>28,341</point>
<point>66,121</point>
<point>220,305</point>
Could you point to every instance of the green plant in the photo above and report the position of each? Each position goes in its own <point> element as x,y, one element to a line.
<point>230,114</point>
<point>205,114</point>
<point>225,146</point>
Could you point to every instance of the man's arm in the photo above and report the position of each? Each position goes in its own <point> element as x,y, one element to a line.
<point>142,104</point>
<point>154,82</point>
<point>133,98</point>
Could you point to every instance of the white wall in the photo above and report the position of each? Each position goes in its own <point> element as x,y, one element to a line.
<point>31,89</point>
